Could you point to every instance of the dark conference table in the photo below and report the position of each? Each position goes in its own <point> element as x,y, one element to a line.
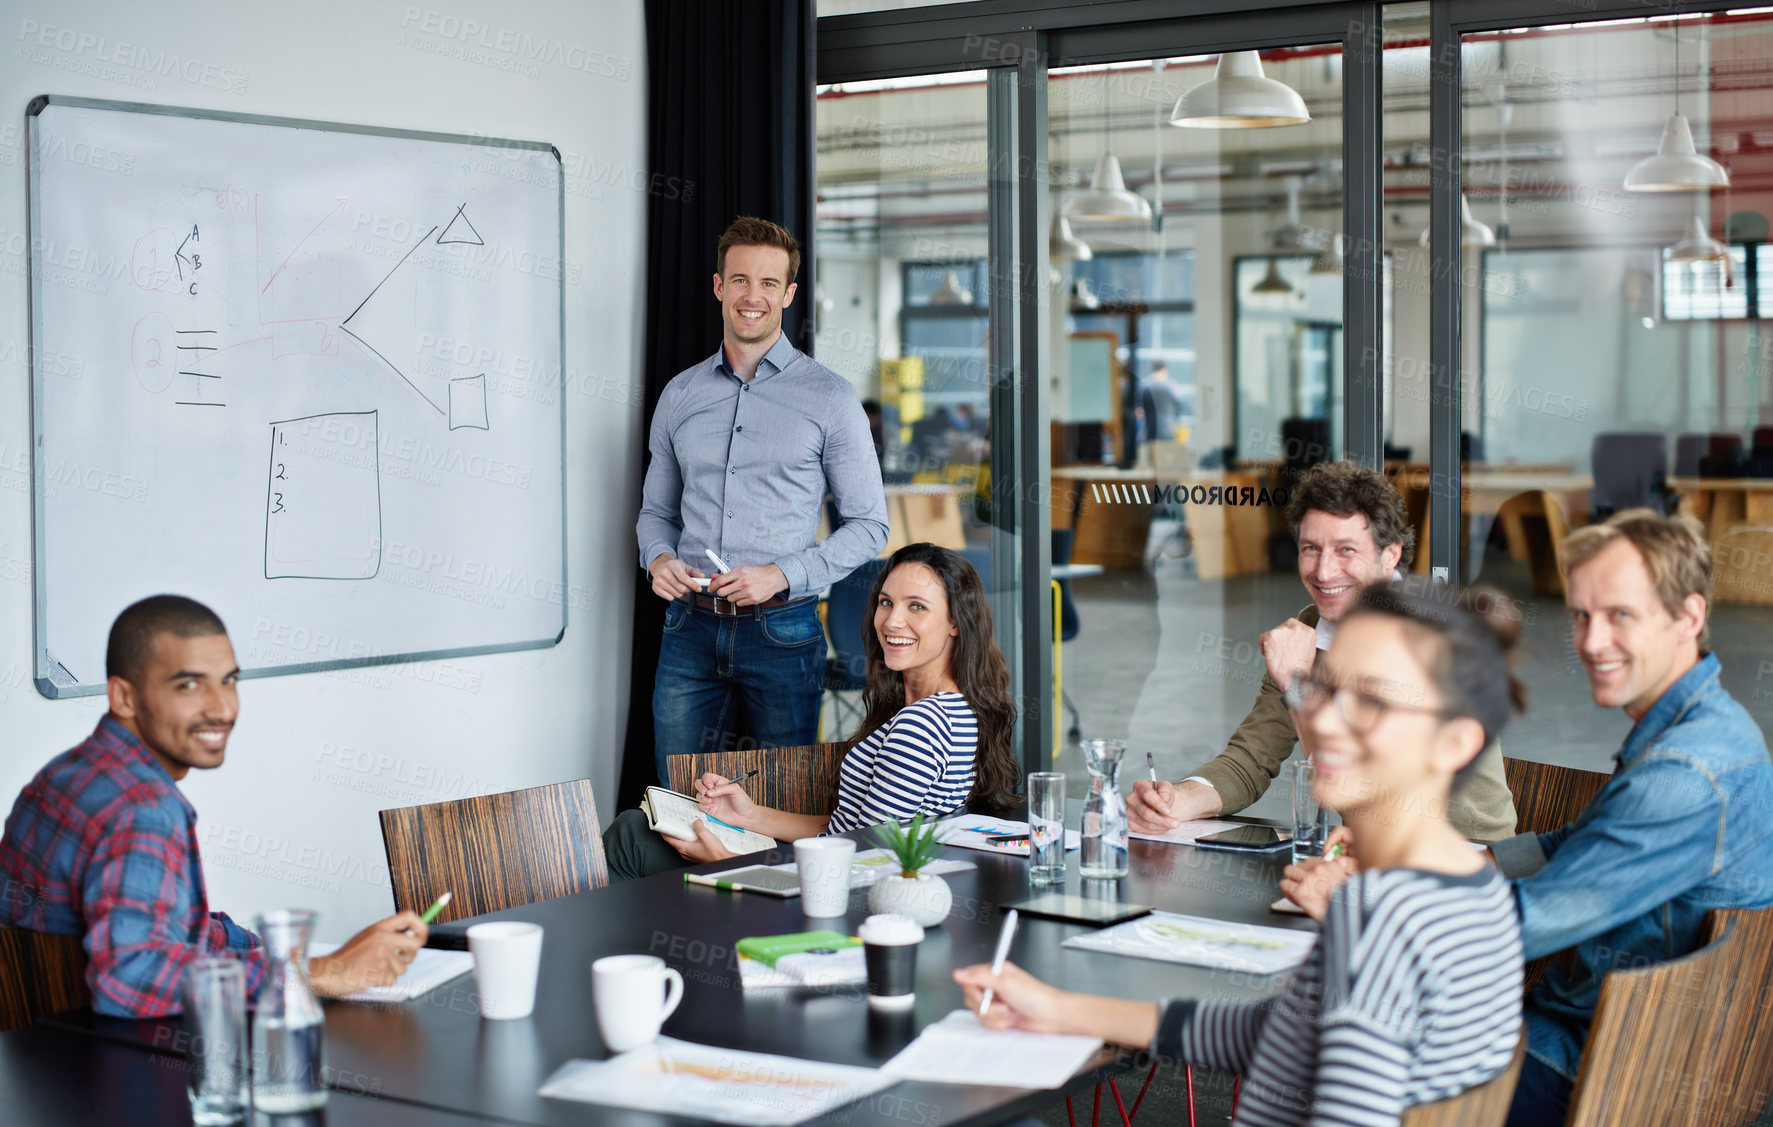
<point>436,1052</point>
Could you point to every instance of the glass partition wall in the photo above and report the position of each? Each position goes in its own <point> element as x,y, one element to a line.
<point>1197,305</point>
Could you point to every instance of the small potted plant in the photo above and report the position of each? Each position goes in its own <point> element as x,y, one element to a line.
<point>910,891</point>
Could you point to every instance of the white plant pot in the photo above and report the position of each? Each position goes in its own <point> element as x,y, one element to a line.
<point>924,898</point>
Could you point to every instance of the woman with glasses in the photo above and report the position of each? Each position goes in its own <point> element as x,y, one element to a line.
<point>1412,993</point>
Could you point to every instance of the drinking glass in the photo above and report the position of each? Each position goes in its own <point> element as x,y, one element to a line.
<point>1311,822</point>
<point>1046,827</point>
<point>215,1026</point>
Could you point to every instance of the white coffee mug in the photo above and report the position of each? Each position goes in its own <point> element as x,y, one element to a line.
<point>824,867</point>
<point>507,958</point>
<point>634,995</point>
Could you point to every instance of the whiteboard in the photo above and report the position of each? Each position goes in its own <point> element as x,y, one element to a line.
<point>318,386</point>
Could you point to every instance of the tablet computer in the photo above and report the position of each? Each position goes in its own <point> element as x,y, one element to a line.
<point>1248,839</point>
<point>1078,909</point>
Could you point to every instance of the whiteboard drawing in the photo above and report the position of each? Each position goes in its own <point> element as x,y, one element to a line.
<point>460,230</point>
<point>384,324</point>
<point>323,498</point>
<point>467,403</point>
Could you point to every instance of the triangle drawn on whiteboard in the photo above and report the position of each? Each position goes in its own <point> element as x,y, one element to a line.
<point>460,230</point>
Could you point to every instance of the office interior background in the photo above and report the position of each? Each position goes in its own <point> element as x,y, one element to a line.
<point>1567,345</point>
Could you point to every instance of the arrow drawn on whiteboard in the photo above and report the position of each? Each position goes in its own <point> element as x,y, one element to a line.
<point>345,325</point>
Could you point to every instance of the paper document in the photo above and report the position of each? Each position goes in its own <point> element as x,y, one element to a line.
<point>845,967</point>
<point>724,1085</point>
<point>970,831</point>
<point>1170,938</point>
<point>674,815</point>
<point>429,970</point>
<point>870,865</point>
<point>1187,832</point>
<point>958,1050</point>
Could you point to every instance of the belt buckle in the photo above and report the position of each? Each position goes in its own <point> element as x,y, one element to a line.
<point>720,602</point>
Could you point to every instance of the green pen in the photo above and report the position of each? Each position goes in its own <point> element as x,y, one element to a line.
<point>436,909</point>
<point>1335,852</point>
<point>712,882</point>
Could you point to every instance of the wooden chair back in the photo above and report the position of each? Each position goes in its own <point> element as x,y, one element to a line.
<point>1734,1071</point>
<point>1483,1106</point>
<point>495,851</point>
<point>798,780</point>
<point>40,975</point>
<point>1665,1037</point>
<point>1547,796</point>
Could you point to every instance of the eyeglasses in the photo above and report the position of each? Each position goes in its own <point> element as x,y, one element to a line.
<point>1360,710</point>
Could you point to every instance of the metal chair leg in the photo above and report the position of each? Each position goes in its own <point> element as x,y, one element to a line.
<point>1141,1097</point>
<point>1070,1119</point>
<point>1188,1082</point>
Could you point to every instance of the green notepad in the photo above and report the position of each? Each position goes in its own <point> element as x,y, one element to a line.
<point>766,949</point>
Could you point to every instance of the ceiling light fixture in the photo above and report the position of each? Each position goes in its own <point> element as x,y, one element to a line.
<point>1239,96</point>
<point>1677,165</point>
<point>1107,199</point>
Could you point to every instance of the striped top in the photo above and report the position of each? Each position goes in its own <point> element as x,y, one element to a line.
<point>1412,994</point>
<point>919,762</point>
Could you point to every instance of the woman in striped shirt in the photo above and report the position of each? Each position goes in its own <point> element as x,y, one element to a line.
<point>1412,993</point>
<point>939,715</point>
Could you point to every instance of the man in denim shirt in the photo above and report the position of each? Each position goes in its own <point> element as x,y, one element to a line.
<point>1682,827</point>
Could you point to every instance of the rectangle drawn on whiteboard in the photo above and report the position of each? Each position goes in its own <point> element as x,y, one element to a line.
<point>323,504</point>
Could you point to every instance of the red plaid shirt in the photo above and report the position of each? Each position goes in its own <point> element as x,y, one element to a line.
<point>103,844</point>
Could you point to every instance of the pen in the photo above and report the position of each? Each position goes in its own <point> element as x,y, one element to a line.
<point>1001,839</point>
<point>712,882</point>
<point>436,908</point>
<point>747,775</point>
<point>1003,950</point>
<point>1335,852</point>
<point>1151,765</point>
<point>719,564</point>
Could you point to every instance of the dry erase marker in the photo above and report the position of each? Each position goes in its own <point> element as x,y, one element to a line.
<point>719,564</point>
<point>1003,952</point>
<point>436,908</point>
<point>1151,765</point>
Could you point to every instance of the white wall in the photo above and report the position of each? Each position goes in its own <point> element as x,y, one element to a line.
<point>291,818</point>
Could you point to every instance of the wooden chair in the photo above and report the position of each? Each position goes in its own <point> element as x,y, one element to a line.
<point>40,975</point>
<point>495,851</point>
<point>1547,796</point>
<point>798,780</point>
<point>1687,1042</point>
<point>1483,1106</point>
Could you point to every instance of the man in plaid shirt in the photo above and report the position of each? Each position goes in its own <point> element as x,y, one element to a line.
<point>101,843</point>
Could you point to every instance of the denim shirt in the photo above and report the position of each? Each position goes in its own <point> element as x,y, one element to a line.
<point>1683,826</point>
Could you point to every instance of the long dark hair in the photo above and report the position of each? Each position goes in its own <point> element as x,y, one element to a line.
<point>974,662</point>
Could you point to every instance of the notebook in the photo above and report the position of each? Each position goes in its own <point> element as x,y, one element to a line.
<point>672,814</point>
<point>431,969</point>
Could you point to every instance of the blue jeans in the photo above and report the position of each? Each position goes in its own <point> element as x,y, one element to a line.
<point>764,666</point>
<point>1541,1098</point>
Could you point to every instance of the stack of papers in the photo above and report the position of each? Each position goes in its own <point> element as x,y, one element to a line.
<point>843,967</point>
<point>429,970</point>
<point>724,1085</point>
<point>1170,938</point>
<point>970,831</point>
<point>1187,832</point>
<point>958,1050</point>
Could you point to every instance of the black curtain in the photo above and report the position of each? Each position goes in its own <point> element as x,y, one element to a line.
<point>729,133</point>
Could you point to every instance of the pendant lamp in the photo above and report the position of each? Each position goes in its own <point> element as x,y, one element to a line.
<point>1239,96</point>
<point>1471,232</point>
<point>1271,283</point>
<point>1677,166</point>
<point>1107,199</point>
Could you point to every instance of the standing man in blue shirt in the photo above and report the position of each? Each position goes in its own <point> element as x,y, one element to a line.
<point>745,446</point>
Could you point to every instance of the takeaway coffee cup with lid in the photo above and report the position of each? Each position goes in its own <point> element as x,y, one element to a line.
<point>889,948</point>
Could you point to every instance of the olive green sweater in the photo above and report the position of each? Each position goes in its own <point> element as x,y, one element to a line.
<point>1483,810</point>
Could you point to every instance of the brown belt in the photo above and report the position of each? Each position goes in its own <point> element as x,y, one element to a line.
<point>723,606</point>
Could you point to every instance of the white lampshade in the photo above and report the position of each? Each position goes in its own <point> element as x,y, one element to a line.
<point>1677,166</point>
<point>1063,246</point>
<point>1471,232</point>
<point>1272,283</point>
<point>1239,96</point>
<point>1107,199</point>
<point>951,292</point>
<point>1697,245</point>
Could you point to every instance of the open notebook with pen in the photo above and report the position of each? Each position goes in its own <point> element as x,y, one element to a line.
<point>673,813</point>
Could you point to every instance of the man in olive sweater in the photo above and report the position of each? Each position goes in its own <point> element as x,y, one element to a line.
<point>1353,530</point>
